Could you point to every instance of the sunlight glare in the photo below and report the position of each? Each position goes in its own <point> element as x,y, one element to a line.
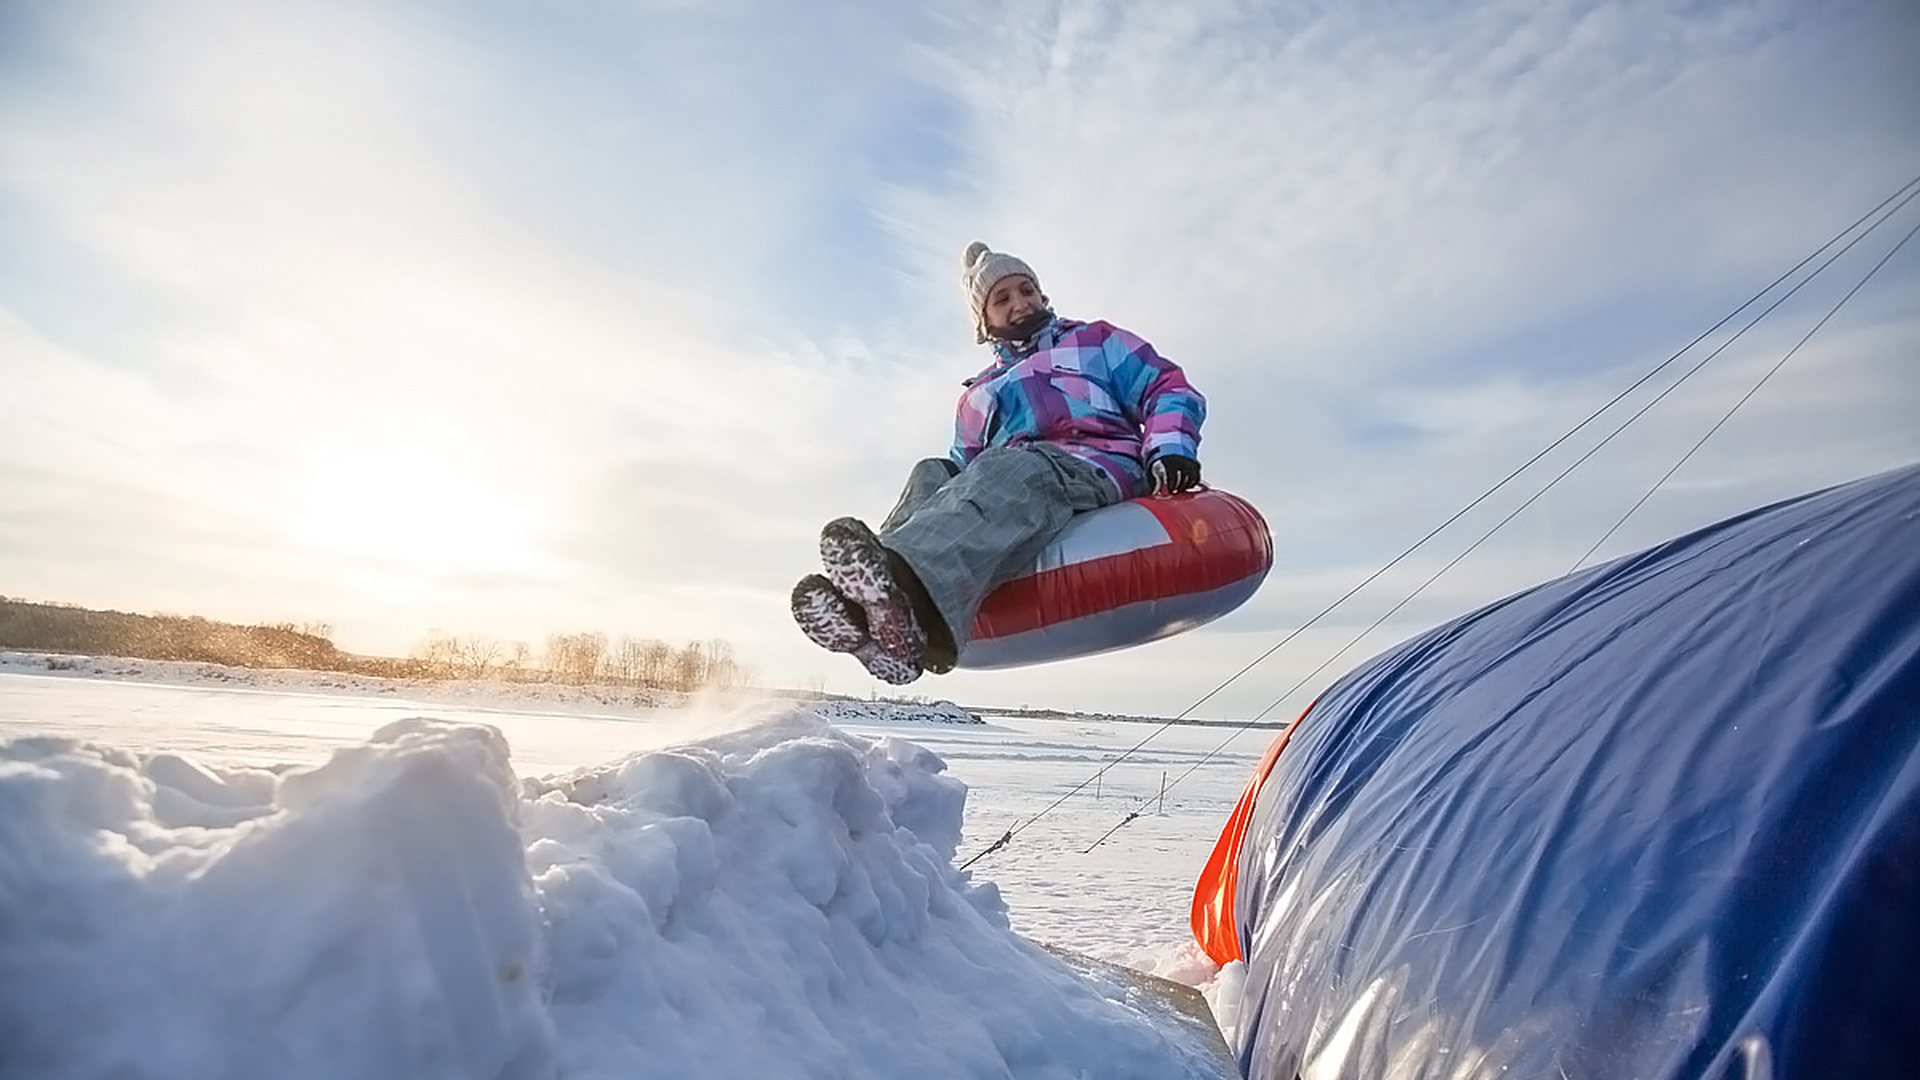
<point>422,507</point>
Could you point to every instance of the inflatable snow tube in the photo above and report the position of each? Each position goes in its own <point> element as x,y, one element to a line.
<point>1123,575</point>
<point>1659,819</point>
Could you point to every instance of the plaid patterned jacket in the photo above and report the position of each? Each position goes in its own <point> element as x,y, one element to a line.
<point>1093,389</point>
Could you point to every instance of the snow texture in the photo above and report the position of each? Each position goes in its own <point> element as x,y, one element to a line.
<point>778,901</point>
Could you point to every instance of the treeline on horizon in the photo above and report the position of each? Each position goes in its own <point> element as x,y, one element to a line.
<point>68,628</point>
<point>587,658</point>
<point>575,659</point>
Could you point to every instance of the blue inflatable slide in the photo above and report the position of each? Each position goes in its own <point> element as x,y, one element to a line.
<point>1659,818</point>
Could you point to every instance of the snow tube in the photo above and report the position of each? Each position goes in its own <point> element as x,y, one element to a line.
<point>1123,575</point>
<point>1660,818</point>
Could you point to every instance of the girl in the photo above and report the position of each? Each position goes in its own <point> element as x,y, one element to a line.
<point>1069,417</point>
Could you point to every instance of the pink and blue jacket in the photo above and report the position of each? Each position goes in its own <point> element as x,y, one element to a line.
<point>1099,392</point>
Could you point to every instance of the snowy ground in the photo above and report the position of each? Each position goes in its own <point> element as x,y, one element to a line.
<point>214,872</point>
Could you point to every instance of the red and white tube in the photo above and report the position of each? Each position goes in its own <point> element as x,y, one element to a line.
<point>1122,575</point>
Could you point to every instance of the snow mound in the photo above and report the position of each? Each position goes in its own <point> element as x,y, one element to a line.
<point>367,918</point>
<point>843,711</point>
<point>778,901</point>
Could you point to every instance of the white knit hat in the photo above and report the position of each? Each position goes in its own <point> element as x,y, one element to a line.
<point>981,270</point>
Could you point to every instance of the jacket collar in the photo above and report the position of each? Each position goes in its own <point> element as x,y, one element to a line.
<point>1008,353</point>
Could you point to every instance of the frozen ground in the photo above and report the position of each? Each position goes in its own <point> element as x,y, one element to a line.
<point>225,873</point>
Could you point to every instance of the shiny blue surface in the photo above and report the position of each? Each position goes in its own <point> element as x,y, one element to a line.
<point>1660,818</point>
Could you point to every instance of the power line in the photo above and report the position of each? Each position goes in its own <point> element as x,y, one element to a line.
<point>1616,432</point>
<point>1901,196</point>
<point>1744,398</point>
<point>1517,511</point>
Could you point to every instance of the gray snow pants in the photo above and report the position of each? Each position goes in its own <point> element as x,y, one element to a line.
<point>965,533</point>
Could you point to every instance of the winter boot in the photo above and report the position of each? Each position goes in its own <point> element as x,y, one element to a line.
<point>888,669</point>
<point>940,653</point>
<point>829,619</point>
<point>856,564</point>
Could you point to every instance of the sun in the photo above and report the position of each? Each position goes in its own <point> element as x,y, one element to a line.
<point>411,505</point>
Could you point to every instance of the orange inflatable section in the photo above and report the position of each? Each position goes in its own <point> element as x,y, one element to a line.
<point>1213,921</point>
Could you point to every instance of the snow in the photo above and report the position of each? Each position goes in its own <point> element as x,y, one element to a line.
<point>753,891</point>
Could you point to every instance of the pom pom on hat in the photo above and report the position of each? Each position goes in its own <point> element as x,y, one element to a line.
<point>981,269</point>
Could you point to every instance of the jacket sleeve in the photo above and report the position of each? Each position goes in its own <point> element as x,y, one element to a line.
<point>1156,395</point>
<point>969,427</point>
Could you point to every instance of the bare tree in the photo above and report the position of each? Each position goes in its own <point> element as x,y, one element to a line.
<point>515,668</point>
<point>474,656</point>
<point>656,663</point>
<point>576,658</point>
<point>438,653</point>
<point>584,658</point>
<point>722,671</point>
<point>633,663</point>
<point>703,663</point>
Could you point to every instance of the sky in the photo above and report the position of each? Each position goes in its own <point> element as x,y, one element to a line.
<point>509,321</point>
<point>290,880</point>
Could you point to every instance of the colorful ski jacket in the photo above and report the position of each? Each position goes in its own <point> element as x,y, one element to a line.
<point>1099,392</point>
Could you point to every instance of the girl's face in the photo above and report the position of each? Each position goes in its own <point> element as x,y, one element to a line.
<point>1011,299</point>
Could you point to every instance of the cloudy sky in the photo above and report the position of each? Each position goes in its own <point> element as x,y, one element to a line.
<point>510,320</point>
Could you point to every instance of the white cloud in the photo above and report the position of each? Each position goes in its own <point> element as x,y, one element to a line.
<point>1403,250</point>
<point>614,305</point>
<point>1363,183</point>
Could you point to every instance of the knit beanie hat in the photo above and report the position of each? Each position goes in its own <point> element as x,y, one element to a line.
<point>982,270</point>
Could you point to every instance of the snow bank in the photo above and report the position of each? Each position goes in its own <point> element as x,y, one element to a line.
<point>367,918</point>
<point>493,692</point>
<point>490,693</point>
<point>843,711</point>
<point>778,901</point>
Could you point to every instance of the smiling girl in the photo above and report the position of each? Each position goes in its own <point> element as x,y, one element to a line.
<point>1069,417</point>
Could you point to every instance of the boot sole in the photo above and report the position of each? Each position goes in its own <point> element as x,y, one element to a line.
<point>856,565</point>
<point>829,619</point>
<point>888,669</point>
